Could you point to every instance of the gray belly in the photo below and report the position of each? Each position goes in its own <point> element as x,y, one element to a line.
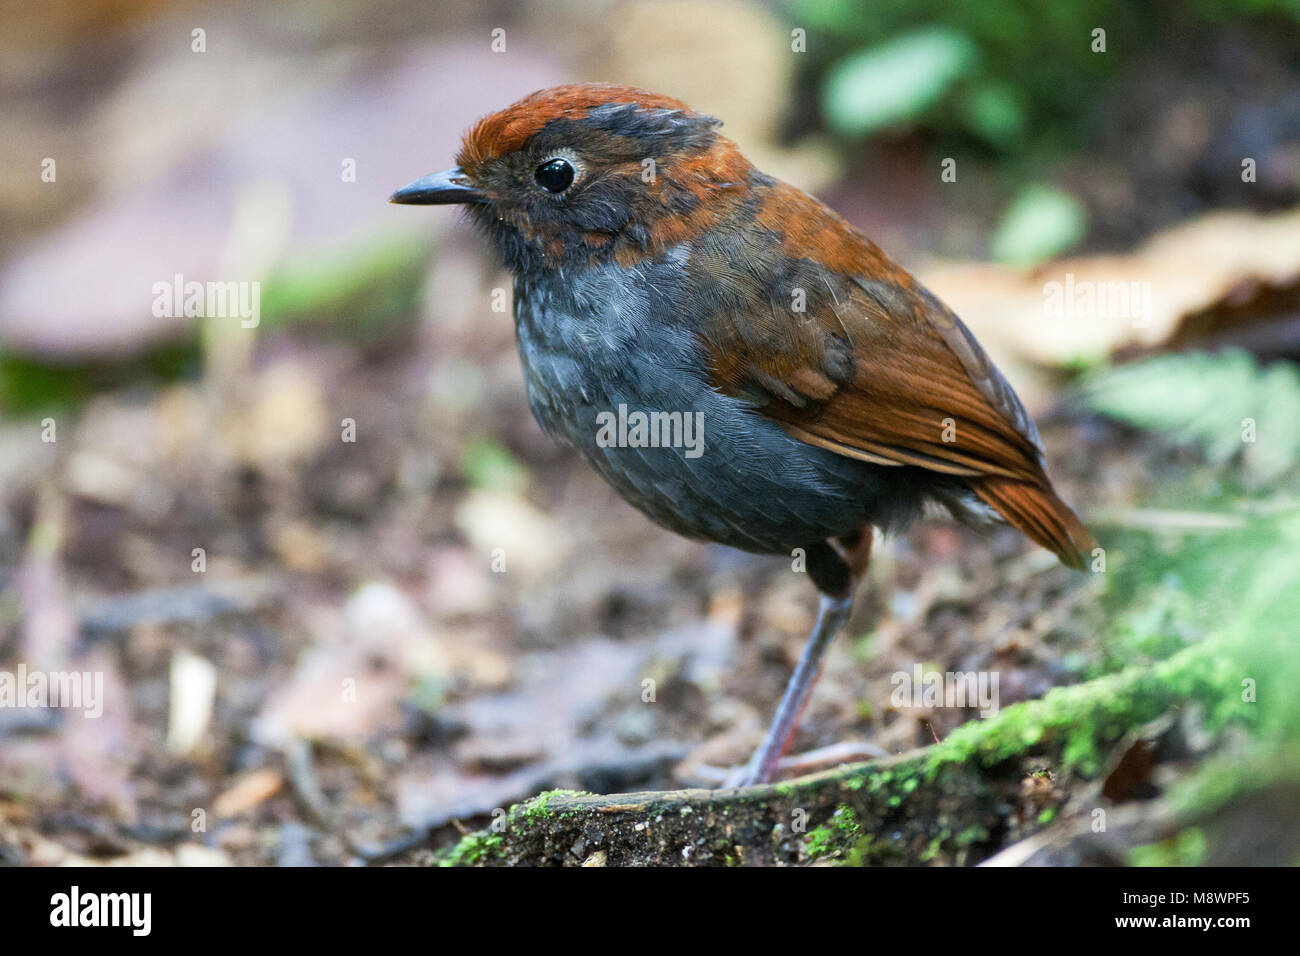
<point>612,370</point>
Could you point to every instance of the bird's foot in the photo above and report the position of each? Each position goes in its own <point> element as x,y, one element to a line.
<point>746,775</point>
<point>823,758</point>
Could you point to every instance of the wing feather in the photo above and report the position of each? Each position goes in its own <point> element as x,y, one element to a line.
<point>877,368</point>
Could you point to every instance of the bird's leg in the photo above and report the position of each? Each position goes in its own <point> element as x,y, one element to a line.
<point>836,572</point>
<point>831,615</point>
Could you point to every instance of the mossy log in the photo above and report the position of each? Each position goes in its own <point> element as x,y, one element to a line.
<point>957,802</point>
<point>857,811</point>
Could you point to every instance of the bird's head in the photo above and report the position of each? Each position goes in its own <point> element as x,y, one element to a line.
<point>586,173</point>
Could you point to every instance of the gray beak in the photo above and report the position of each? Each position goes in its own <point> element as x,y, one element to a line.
<point>438,189</point>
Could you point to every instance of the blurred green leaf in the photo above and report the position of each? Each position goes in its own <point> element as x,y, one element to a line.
<point>824,14</point>
<point>1229,10</point>
<point>488,465</point>
<point>1042,51</point>
<point>895,81</point>
<point>1223,403</point>
<point>361,293</point>
<point>28,385</point>
<point>995,112</point>
<point>1183,849</point>
<point>1040,224</point>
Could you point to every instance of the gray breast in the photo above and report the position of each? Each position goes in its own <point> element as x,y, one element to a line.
<point>613,368</point>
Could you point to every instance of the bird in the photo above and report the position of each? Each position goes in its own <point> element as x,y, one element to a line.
<point>657,273</point>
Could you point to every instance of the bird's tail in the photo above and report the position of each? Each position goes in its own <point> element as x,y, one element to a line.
<point>1041,515</point>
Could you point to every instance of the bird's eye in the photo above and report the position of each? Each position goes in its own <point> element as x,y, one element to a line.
<point>554,175</point>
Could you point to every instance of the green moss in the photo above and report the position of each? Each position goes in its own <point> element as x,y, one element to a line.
<point>838,836</point>
<point>860,854</point>
<point>1089,717</point>
<point>485,846</point>
<point>539,807</point>
<point>474,849</point>
<point>932,850</point>
<point>818,843</point>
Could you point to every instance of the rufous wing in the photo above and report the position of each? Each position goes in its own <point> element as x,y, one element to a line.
<point>877,368</point>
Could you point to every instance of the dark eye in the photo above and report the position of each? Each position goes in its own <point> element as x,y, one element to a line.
<point>554,175</point>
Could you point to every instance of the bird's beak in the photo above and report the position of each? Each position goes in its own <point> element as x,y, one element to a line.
<point>438,189</point>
